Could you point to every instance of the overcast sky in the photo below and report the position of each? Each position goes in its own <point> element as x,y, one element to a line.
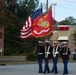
<point>63,8</point>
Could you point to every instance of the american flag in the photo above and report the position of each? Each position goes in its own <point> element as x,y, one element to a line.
<point>26,29</point>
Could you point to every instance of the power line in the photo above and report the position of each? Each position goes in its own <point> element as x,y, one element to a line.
<point>70,3</point>
<point>66,7</point>
<point>57,14</point>
<point>74,2</point>
<point>70,7</point>
<point>60,15</point>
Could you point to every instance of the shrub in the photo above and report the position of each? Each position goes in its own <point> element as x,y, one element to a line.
<point>31,57</point>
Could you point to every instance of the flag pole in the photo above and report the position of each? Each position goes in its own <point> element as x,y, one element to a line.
<point>54,19</point>
<point>45,38</point>
<point>46,5</point>
<point>47,10</point>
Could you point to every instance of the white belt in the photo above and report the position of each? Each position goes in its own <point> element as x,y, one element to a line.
<point>64,54</point>
<point>40,53</point>
<point>47,53</point>
<point>56,52</point>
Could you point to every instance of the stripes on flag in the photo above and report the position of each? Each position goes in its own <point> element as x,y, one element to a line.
<point>26,33</point>
<point>26,30</point>
<point>28,22</point>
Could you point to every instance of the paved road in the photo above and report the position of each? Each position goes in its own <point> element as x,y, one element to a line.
<point>32,69</point>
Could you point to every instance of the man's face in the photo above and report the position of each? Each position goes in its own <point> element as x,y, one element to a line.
<point>55,44</point>
<point>40,44</point>
<point>47,44</point>
<point>65,45</point>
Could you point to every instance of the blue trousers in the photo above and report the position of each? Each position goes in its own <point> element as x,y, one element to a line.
<point>46,67</point>
<point>54,69</point>
<point>40,65</point>
<point>65,62</point>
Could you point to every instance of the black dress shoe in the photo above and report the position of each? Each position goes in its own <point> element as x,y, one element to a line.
<point>48,72</point>
<point>51,72</point>
<point>65,73</point>
<point>44,72</point>
<point>40,72</point>
<point>56,73</point>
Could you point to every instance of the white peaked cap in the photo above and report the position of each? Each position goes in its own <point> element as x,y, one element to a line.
<point>40,42</point>
<point>47,41</point>
<point>64,42</point>
<point>55,42</point>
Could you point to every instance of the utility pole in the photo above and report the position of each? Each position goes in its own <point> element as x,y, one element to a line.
<point>54,8</point>
<point>46,5</point>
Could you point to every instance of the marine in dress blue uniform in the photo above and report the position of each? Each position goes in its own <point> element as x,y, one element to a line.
<point>39,50</point>
<point>65,52</point>
<point>48,56</point>
<point>55,53</point>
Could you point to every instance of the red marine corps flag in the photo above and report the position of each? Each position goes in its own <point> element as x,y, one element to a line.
<point>42,26</point>
<point>26,29</point>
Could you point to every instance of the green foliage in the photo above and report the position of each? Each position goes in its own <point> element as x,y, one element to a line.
<point>12,18</point>
<point>15,18</point>
<point>71,20</point>
<point>31,57</point>
<point>64,22</point>
<point>22,7</point>
<point>68,21</point>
